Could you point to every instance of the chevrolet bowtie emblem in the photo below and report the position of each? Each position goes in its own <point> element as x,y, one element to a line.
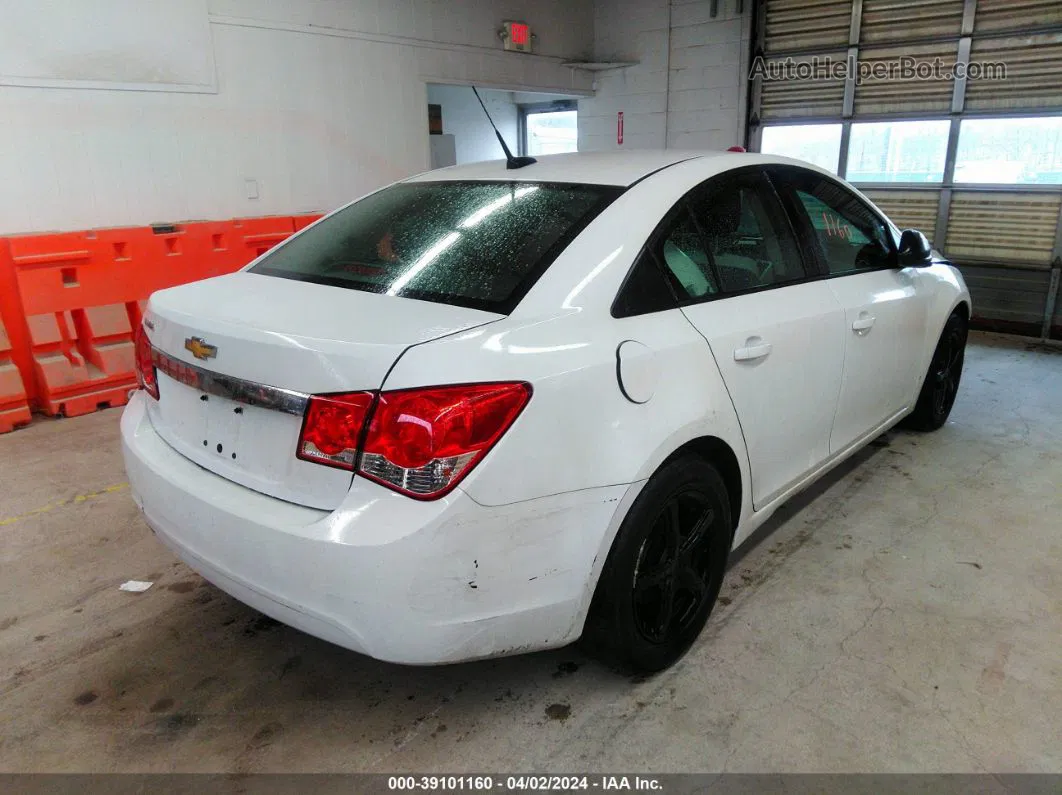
<point>199,348</point>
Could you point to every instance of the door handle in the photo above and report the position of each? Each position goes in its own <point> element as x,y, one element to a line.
<point>863,323</point>
<point>752,352</point>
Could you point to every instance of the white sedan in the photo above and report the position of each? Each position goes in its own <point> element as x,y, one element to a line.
<point>485,411</point>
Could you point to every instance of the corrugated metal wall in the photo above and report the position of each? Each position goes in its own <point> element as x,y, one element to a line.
<point>1056,319</point>
<point>908,209</point>
<point>1006,239</point>
<point>803,98</point>
<point>1007,299</point>
<point>795,25</point>
<point>1034,73</point>
<point>880,97</point>
<point>883,21</point>
<point>1016,228</point>
<point>995,16</point>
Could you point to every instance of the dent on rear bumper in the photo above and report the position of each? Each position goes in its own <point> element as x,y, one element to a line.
<point>398,579</point>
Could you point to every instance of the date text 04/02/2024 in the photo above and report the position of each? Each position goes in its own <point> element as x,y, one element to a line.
<point>546,783</point>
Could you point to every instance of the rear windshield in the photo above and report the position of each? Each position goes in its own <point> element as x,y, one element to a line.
<point>475,244</point>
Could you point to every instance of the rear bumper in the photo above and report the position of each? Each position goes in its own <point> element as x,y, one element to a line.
<point>397,579</point>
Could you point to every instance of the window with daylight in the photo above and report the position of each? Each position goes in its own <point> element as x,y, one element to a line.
<point>1010,151</point>
<point>551,132</point>
<point>898,151</point>
<point>816,143</point>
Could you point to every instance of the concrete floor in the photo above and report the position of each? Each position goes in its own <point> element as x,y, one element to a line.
<point>905,615</point>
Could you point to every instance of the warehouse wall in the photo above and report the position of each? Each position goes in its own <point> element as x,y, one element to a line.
<point>689,95</point>
<point>306,103</point>
<point>463,117</point>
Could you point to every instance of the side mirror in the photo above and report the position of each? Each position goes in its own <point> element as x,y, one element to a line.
<point>914,249</point>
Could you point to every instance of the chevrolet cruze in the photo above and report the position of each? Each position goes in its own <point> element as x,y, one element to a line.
<point>487,410</point>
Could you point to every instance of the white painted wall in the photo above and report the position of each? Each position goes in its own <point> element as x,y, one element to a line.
<point>319,101</point>
<point>157,45</point>
<point>463,117</point>
<point>689,95</point>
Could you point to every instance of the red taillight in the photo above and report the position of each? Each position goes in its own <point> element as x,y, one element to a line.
<point>145,367</point>
<point>332,428</point>
<point>420,442</point>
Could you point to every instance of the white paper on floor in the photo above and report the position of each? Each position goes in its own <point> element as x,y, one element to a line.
<point>135,586</point>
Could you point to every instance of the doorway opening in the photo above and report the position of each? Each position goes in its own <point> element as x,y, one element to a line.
<point>531,123</point>
<point>549,128</point>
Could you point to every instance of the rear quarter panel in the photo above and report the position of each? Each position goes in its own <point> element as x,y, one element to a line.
<point>579,431</point>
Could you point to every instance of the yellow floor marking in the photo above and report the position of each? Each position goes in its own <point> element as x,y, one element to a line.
<point>60,503</point>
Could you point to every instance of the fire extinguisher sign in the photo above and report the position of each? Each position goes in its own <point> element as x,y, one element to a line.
<point>619,128</point>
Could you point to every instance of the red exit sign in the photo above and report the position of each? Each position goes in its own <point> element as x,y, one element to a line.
<point>517,36</point>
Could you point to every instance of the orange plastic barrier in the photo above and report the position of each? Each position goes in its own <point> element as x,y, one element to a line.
<point>72,302</point>
<point>79,296</point>
<point>302,221</point>
<point>213,248</point>
<point>258,235</point>
<point>14,410</point>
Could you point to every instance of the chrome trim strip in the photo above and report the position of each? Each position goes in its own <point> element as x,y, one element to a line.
<point>239,390</point>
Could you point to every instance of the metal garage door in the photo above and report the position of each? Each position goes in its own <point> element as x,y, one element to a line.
<point>947,113</point>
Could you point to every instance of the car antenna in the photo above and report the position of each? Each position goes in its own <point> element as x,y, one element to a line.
<point>510,161</point>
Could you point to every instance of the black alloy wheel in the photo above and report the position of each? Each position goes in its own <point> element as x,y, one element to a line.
<point>941,383</point>
<point>672,574</point>
<point>664,571</point>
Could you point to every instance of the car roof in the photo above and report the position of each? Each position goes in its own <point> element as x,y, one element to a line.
<point>593,168</point>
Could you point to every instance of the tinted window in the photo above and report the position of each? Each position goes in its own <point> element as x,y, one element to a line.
<point>646,290</point>
<point>476,244</point>
<point>850,236</point>
<point>682,251</point>
<point>746,233</point>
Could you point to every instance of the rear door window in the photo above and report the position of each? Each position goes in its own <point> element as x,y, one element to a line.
<point>645,290</point>
<point>683,252</point>
<point>727,236</point>
<point>475,244</point>
<point>746,233</point>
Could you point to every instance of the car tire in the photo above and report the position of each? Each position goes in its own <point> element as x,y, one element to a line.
<point>663,574</point>
<point>941,383</point>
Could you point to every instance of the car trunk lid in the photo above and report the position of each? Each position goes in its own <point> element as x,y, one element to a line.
<point>237,355</point>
